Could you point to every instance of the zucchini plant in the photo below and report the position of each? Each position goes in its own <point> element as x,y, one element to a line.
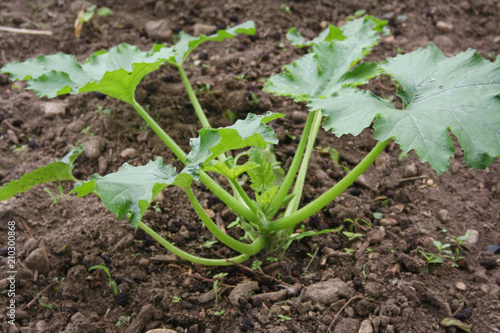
<point>440,95</point>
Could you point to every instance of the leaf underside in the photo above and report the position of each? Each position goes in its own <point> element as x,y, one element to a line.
<point>440,95</point>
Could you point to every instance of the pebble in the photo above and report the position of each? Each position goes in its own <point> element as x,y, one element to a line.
<point>444,216</point>
<point>241,291</point>
<point>410,171</point>
<point>473,236</point>
<point>183,232</point>
<point>76,126</point>
<point>93,145</point>
<point>144,262</point>
<point>52,109</point>
<point>324,24</point>
<point>460,286</point>
<point>328,292</point>
<point>444,26</point>
<point>388,221</point>
<point>366,326</point>
<point>38,261</point>
<point>465,5</point>
<point>159,197</point>
<point>210,213</point>
<point>128,153</point>
<point>158,30</point>
<point>161,330</point>
<point>205,29</point>
<point>376,236</point>
<point>299,116</point>
<point>4,283</point>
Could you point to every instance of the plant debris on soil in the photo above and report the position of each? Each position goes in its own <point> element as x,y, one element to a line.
<point>372,280</point>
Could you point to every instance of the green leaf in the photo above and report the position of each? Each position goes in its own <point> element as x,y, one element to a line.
<point>439,94</point>
<point>188,43</point>
<point>329,34</point>
<point>228,168</point>
<point>132,189</point>
<point>115,73</point>
<point>55,171</point>
<point>104,11</point>
<point>268,174</point>
<point>328,69</point>
<point>250,132</point>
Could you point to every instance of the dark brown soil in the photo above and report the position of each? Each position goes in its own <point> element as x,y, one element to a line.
<point>386,283</point>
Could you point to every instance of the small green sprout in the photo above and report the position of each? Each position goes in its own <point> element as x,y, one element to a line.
<point>218,280</point>
<point>55,199</point>
<point>219,313</point>
<point>176,299</point>
<point>256,265</point>
<point>283,317</point>
<point>112,283</point>
<point>351,235</point>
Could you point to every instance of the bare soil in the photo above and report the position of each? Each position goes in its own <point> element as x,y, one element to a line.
<point>381,277</point>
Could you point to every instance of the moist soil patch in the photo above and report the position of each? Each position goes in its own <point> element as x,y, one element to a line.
<point>377,282</point>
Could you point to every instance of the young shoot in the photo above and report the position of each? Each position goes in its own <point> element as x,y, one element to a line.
<point>112,283</point>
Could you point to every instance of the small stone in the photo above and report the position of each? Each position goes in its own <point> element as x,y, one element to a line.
<point>299,116</point>
<point>430,183</point>
<point>128,153</point>
<point>444,26</point>
<point>389,40</point>
<point>410,171</point>
<point>388,221</point>
<point>159,197</point>
<point>38,261</point>
<point>76,126</point>
<point>203,29</point>
<point>347,325</point>
<point>143,136</point>
<point>465,5</point>
<point>473,237</point>
<point>324,24</point>
<point>366,326</point>
<point>183,232</point>
<point>158,30</point>
<point>41,326</point>
<point>376,236</point>
<point>444,216</point>
<point>327,292</point>
<point>102,162</point>
<point>144,262</point>
<point>4,283</point>
<point>210,213</point>
<point>52,109</point>
<point>373,289</point>
<point>161,330</point>
<point>93,145</point>
<point>460,286</point>
<point>241,291</point>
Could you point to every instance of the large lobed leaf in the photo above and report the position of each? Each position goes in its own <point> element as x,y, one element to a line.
<point>132,189</point>
<point>56,171</point>
<point>115,73</point>
<point>439,94</point>
<point>328,68</point>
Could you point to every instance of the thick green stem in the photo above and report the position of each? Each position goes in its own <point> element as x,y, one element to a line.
<point>178,152</point>
<point>304,166</point>
<point>221,193</point>
<point>259,243</point>
<point>216,231</point>
<point>236,186</point>
<point>316,205</point>
<point>227,198</point>
<point>292,170</point>
<point>192,97</point>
